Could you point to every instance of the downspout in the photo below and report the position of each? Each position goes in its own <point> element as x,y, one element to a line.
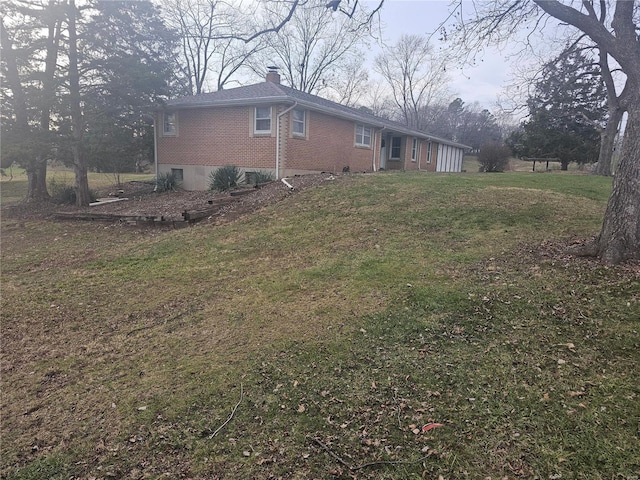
<point>278,117</point>
<point>155,151</point>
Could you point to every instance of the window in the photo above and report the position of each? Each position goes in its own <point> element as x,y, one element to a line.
<point>363,135</point>
<point>429,152</point>
<point>178,173</point>
<point>262,120</point>
<point>299,123</point>
<point>414,150</point>
<point>251,178</point>
<point>169,125</point>
<point>396,143</point>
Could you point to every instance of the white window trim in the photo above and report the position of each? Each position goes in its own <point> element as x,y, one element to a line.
<point>256,118</point>
<point>295,122</point>
<point>429,152</point>
<point>414,150</point>
<point>173,132</point>
<point>362,135</point>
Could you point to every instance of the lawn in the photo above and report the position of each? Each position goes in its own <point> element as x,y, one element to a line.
<point>315,339</point>
<point>13,184</point>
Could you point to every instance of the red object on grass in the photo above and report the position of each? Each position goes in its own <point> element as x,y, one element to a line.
<point>429,426</point>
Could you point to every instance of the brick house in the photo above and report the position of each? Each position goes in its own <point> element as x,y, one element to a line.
<point>270,127</point>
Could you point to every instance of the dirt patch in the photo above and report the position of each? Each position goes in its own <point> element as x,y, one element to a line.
<point>142,201</point>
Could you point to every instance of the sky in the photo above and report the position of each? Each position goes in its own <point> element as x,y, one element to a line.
<point>484,82</point>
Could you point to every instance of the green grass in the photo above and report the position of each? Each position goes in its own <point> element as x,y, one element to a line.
<point>13,187</point>
<point>349,316</point>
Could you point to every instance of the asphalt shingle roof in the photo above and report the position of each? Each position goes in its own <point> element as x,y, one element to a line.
<point>270,92</point>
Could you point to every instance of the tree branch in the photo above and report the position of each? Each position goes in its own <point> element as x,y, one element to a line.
<point>233,412</point>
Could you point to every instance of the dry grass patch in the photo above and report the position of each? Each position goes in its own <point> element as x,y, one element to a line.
<point>350,315</point>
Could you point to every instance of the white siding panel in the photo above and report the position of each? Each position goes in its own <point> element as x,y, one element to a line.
<point>449,159</point>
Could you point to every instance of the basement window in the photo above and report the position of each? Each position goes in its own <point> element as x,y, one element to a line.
<point>178,173</point>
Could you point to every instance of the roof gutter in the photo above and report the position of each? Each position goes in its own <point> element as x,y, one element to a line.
<point>278,117</point>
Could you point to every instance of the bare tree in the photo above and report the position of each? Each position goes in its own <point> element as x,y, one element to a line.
<point>350,86</point>
<point>196,22</point>
<point>616,34</point>
<point>231,56</point>
<point>210,54</point>
<point>317,47</point>
<point>377,101</point>
<point>234,34</point>
<point>415,75</point>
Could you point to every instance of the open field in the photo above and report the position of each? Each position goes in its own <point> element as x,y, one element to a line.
<point>13,186</point>
<point>314,339</point>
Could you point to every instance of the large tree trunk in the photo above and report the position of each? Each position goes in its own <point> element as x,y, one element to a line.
<point>79,165</point>
<point>36,168</point>
<point>619,239</point>
<point>616,111</point>
<point>39,183</point>
<point>37,180</point>
<point>607,142</point>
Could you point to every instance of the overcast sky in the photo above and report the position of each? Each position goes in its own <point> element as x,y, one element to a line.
<point>482,83</point>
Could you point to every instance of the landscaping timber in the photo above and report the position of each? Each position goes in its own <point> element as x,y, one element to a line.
<point>111,217</point>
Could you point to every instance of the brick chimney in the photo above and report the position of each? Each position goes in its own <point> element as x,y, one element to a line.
<point>272,75</point>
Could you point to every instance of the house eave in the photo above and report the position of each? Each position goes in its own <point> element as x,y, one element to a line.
<point>223,103</point>
<point>285,99</point>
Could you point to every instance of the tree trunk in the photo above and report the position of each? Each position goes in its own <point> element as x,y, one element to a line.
<point>607,142</point>
<point>83,198</point>
<point>48,94</point>
<point>614,105</point>
<point>36,168</point>
<point>619,239</point>
<point>37,181</point>
<point>79,164</point>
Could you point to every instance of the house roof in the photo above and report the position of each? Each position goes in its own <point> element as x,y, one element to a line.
<point>271,92</point>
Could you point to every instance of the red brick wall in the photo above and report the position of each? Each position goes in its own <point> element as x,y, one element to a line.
<point>410,164</point>
<point>421,158</point>
<point>329,146</point>
<point>430,167</point>
<point>220,136</point>
<point>211,137</point>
